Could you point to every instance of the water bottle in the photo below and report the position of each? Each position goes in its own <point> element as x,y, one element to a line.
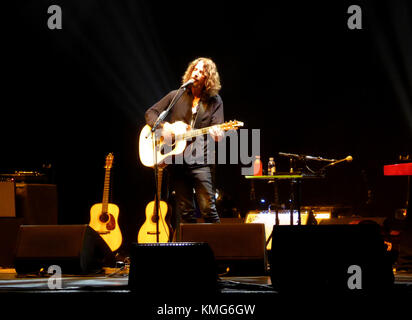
<point>271,167</point>
<point>257,166</point>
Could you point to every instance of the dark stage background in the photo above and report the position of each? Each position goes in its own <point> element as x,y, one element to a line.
<point>294,70</point>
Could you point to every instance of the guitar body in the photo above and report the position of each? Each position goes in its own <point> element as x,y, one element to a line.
<point>148,231</point>
<point>106,225</point>
<point>164,150</point>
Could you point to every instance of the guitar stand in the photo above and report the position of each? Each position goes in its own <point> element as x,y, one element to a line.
<point>161,117</point>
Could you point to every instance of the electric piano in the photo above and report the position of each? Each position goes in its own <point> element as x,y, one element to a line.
<point>399,169</point>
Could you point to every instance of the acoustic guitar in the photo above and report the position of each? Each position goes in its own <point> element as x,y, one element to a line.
<point>156,228</point>
<point>104,216</point>
<point>166,149</point>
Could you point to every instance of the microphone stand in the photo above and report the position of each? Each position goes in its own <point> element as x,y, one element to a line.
<point>295,184</point>
<point>305,157</point>
<point>160,118</point>
<point>349,159</point>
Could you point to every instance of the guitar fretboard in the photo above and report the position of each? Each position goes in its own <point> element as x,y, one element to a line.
<point>106,190</point>
<point>195,133</point>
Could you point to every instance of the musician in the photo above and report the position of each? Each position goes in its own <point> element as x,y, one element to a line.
<point>199,106</point>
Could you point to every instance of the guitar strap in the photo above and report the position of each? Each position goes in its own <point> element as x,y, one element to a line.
<point>197,118</point>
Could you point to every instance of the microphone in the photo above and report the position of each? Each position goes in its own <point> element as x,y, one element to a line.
<point>187,83</point>
<point>348,159</point>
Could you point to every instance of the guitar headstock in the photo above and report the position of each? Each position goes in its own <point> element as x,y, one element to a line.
<point>109,161</point>
<point>232,124</point>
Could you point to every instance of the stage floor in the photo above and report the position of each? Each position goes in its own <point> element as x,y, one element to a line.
<point>107,292</point>
<point>116,280</point>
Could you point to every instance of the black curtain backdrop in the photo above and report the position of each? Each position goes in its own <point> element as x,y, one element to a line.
<point>293,70</point>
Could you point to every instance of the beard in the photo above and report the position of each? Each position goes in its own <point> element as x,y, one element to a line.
<point>199,85</point>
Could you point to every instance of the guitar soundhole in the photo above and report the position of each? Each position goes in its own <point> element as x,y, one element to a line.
<point>104,217</point>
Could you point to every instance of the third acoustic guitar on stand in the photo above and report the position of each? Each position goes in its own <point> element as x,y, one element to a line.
<point>104,216</point>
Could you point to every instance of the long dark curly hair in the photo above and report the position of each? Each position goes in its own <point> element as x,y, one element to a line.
<point>212,83</point>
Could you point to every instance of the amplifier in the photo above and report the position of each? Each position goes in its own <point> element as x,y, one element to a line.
<point>268,218</point>
<point>37,203</point>
<point>7,199</point>
<point>237,247</point>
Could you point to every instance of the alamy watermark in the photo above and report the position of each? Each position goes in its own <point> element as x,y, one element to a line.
<point>55,280</point>
<point>355,20</point>
<point>355,278</point>
<point>237,146</point>
<point>55,21</point>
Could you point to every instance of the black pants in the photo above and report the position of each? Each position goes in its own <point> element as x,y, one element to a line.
<point>187,179</point>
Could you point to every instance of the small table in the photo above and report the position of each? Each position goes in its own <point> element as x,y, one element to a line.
<point>295,180</point>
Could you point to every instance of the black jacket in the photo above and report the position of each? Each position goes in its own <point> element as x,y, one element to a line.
<point>182,111</point>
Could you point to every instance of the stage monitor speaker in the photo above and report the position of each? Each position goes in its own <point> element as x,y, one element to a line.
<point>76,249</point>
<point>330,258</point>
<point>238,248</point>
<point>9,228</point>
<point>355,220</point>
<point>172,269</point>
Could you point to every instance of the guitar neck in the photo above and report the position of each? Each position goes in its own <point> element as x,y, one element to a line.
<point>106,190</point>
<point>194,133</point>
